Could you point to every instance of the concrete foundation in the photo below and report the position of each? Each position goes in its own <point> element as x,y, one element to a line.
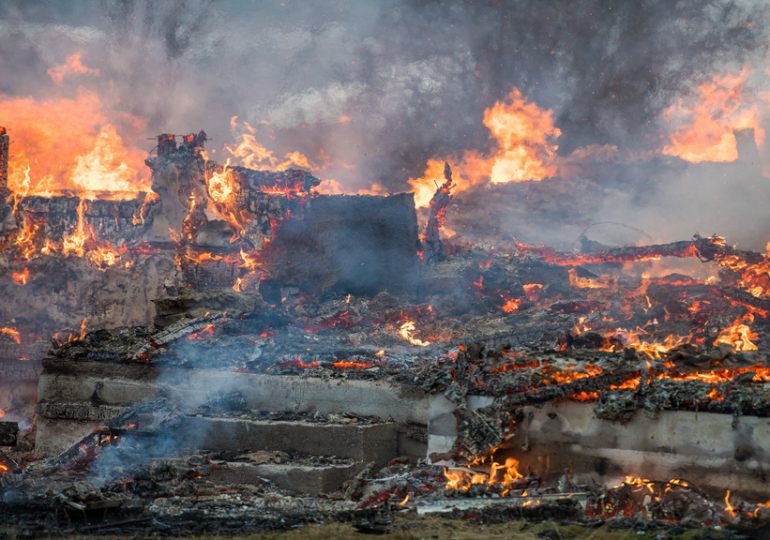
<point>296,478</point>
<point>362,443</point>
<point>713,451</point>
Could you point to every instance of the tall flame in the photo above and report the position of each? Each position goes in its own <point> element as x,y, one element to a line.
<point>525,137</point>
<point>72,145</point>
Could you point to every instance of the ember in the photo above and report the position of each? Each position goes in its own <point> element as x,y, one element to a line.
<point>459,277</point>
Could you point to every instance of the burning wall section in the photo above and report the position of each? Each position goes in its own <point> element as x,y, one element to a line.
<point>75,262</point>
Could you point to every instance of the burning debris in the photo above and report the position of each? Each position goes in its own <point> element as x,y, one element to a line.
<point>200,343</point>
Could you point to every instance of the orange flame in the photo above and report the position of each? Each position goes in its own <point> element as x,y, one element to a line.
<point>738,335</point>
<point>511,304</point>
<point>74,243</point>
<point>21,278</point>
<point>70,145</point>
<point>729,509</point>
<point>408,332</point>
<point>525,135</point>
<point>502,474</point>
<point>253,155</point>
<point>586,283</point>
<point>25,238</point>
<point>11,333</point>
<point>73,66</point>
<point>704,126</point>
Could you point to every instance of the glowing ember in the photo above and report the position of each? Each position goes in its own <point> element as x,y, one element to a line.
<point>586,283</point>
<point>203,334</point>
<point>511,304</point>
<point>533,291</point>
<point>348,364</point>
<point>21,278</point>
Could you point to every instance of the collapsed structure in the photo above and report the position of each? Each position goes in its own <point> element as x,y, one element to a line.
<point>246,337</point>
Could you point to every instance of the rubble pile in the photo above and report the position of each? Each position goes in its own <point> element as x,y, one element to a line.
<point>282,357</point>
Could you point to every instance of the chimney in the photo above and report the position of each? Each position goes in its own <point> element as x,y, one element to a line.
<point>166,143</point>
<point>748,153</point>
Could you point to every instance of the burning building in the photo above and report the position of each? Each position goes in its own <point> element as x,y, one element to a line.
<point>200,342</point>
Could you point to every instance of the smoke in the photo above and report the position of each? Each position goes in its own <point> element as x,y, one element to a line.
<point>371,90</point>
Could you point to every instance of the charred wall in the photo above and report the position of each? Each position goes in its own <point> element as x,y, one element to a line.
<point>138,250</point>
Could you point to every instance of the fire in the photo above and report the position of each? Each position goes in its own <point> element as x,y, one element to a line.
<point>632,339</point>
<point>754,277</point>
<point>526,135</point>
<point>533,291</point>
<point>222,186</point>
<point>25,238</point>
<point>83,328</point>
<point>253,155</point>
<point>349,364</point>
<point>639,483</point>
<point>586,283</point>
<point>525,150</point>
<point>73,65</point>
<point>11,333</point>
<point>202,334</point>
<point>89,157</point>
<point>501,475</point>
<point>511,304</point>
<point>74,243</point>
<point>21,278</point>
<point>408,330</point>
<point>102,169</point>
<point>738,335</point>
<point>149,198</point>
<point>223,189</point>
<point>703,128</point>
<point>715,394</point>
<point>104,256</point>
<point>729,509</point>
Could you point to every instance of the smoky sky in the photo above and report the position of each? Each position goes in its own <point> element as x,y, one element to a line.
<point>411,79</point>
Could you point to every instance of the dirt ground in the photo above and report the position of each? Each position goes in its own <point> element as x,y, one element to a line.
<point>419,528</point>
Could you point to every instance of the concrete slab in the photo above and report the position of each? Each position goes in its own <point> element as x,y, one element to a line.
<point>293,477</point>
<point>713,451</point>
<point>92,382</point>
<point>54,436</point>
<point>362,443</point>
